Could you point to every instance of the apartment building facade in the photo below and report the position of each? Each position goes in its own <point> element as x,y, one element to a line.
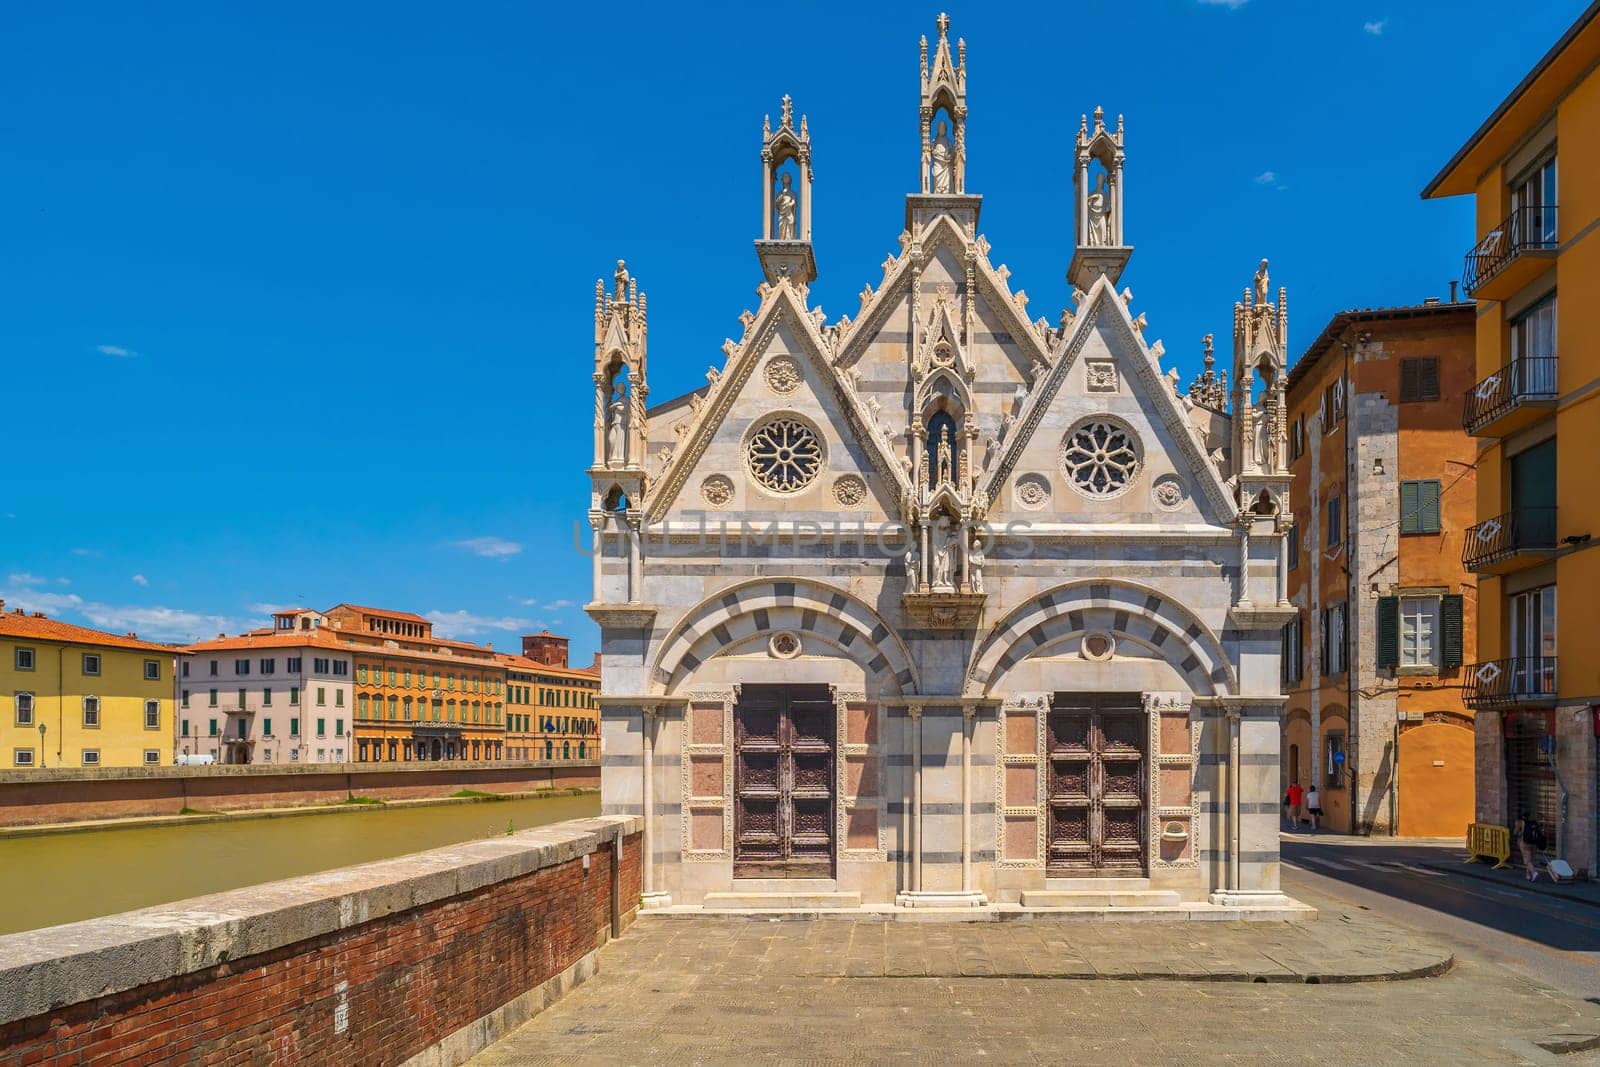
<point>1382,495</point>
<point>268,696</point>
<point>552,708</point>
<point>71,696</point>
<point>1533,167</point>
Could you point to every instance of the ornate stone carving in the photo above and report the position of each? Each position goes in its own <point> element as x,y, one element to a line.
<point>1169,492</point>
<point>717,490</point>
<point>1097,646</point>
<point>1101,457</point>
<point>784,645</point>
<point>1032,492</point>
<point>782,375</point>
<point>784,454</point>
<point>849,490</point>
<point>1100,375</point>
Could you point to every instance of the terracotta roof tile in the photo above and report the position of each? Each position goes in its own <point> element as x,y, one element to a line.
<point>35,627</point>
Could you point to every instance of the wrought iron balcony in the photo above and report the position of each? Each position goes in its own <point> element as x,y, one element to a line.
<point>1528,681</point>
<point>1507,542</point>
<point>1513,397</point>
<point>1512,254</point>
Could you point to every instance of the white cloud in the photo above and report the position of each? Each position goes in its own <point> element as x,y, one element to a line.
<point>271,609</point>
<point>139,579</point>
<point>63,581</point>
<point>464,624</point>
<point>87,552</point>
<point>114,350</point>
<point>535,602</point>
<point>1375,28</point>
<point>489,547</point>
<point>1231,5</point>
<point>25,579</point>
<point>155,623</point>
<point>1269,179</point>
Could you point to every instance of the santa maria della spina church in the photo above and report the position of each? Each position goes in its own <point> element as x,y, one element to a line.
<point>945,604</point>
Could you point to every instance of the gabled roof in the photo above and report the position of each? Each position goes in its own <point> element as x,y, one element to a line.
<point>17,624</point>
<point>405,616</point>
<point>781,304</point>
<point>1569,60</point>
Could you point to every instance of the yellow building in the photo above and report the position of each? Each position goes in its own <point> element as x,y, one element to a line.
<point>1534,270</point>
<point>75,697</point>
<point>552,709</point>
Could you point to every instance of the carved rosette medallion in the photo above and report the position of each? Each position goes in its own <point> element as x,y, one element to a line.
<point>1032,492</point>
<point>1100,375</point>
<point>1168,492</point>
<point>717,490</point>
<point>849,490</point>
<point>784,645</point>
<point>782,375</point>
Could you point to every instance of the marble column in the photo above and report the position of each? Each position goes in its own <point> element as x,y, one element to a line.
<point>651,897</point>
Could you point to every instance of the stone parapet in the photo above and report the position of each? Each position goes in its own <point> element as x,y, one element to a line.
<point>346,955</point>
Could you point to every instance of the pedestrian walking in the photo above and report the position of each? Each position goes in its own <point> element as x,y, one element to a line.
<point>1292,800</point>
<point>1530,837</point>
<point>1314,807</point>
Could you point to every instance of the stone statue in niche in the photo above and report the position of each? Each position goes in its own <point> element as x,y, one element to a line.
<point>616,431</point>
<point>913,578</point>
<point>944,474</point>
<point>1100,215</point>
<point>975,562</point>
<point>943,542</point>
<point>943,157</point>
<point>785,204</point>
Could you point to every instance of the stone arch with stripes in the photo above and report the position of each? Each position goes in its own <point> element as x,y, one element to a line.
<point>1146,616</point>
<point>813,610</point>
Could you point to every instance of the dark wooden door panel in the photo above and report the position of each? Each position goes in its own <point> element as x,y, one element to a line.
<point>784,782</point>
<point>1097,773</point>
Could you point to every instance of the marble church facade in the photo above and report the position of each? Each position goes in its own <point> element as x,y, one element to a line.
<point>943,605</point>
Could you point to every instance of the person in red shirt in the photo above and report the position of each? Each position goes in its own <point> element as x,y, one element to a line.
<point>1292,801</point>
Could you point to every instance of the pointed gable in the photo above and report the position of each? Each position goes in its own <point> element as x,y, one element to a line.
<point>780,386</point>
<point>1106,392</point>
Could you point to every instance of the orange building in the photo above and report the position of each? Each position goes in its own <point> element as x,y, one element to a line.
<point>1384,490</point>
<point>552,709</point>
<point>417,696</point>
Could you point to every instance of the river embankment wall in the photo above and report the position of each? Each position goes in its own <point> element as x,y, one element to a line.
<point>423,959</point>
<point>34,797</point>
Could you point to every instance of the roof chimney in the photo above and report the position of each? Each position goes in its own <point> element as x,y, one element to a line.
<point>1453,284</point>
<point>37,614</point>
<point>1430,302</point>
<point>130,633</point>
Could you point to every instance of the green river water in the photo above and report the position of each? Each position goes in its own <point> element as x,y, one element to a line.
<point>61,878</point>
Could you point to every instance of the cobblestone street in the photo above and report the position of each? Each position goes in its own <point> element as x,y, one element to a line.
<point>712,991</point>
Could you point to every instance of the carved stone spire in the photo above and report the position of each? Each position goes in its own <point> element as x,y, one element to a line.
<point>1100,247</point>
<point>1209,388</point>
<point>785,244</point>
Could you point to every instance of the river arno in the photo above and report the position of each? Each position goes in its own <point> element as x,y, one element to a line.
<point>60,878</point>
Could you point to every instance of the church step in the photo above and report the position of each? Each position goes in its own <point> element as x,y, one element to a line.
<point>1097,885</point>
<point>1146,898</point>
<point>766,901</point>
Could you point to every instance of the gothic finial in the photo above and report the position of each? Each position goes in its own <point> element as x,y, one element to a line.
<point>804,133</point>
<point>622,279</point>
<point>599,299</point>
<point>788,112</point>
<point>1119,126</point>
<point>1210,359</point>
<point>924,47</point>
<point>961,54</point>
<point>944,25</point>
<point>766,127</point>
<point>641,309</point>
<point>1099,119</point>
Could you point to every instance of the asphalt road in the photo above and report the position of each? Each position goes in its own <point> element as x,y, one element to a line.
<point>1552,941</point>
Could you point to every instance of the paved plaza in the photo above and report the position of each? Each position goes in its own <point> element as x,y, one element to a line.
<point>1333,990</point>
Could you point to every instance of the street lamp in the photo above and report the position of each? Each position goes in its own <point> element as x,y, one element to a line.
<point>41,746</point>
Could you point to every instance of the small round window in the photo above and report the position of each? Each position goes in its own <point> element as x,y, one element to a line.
<point>784,454</point>
<point>1101,457</point>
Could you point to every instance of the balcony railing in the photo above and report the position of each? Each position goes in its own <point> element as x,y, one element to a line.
<point>1522,381</point>
<point>1495,542</point>
<point>1527,230</point>
<point>1505,683</point>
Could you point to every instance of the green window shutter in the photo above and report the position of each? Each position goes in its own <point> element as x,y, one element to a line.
<point>1408,507</point>
<point>1388,632</point>
<point>1450,630</point>
<point>1428,506</point>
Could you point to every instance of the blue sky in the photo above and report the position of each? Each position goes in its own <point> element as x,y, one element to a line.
<point>297,298</point>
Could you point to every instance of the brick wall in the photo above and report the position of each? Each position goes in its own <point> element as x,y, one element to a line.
<point>29,798</point>
<point>441,951</point>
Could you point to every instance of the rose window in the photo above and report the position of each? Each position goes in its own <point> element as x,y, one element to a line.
<point>1101,458</point>
<point>784,455</point>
